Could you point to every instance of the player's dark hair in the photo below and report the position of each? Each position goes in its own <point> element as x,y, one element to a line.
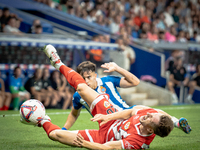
<point>164,127</point>
<point>86,66</point>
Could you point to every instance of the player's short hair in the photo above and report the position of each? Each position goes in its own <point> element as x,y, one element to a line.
<point>86,66</point>
<point>164,127</point>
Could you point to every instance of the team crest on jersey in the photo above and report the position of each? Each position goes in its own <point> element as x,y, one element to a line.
<point>106,104</point>
<point>103,89</point>
<point>127,125</point>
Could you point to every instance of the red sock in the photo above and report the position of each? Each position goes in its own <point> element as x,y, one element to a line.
<point>72,76</point>
<point>5,107</point>
<point>48,127</point>
<point>1,108</point>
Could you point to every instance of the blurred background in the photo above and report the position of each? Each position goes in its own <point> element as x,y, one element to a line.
<point>156,40</point>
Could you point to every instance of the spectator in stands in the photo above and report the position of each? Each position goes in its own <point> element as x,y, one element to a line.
<point>4,18</point>
<point>38,29</point>
<point>18,23</point>
<point>195,82</point>
<point>152,35</point>
<point>169,63</point>
<point>91,17</point>
<point>129,53</point>
<point>70,10</point>
<point>141,18</point>
<point>51,3</point>
<point>115,25</point>
<point>17,89</point>
<point>178,77</point>
<point>48,89</point>
<point>95,55</point>
<point>170,36</point>
<point>11,27</point>
<point>100,20</point>
<point>59,83</point>
<point>161,24</point>
<point>181,37</point>
<point>161,36</point>
<point>87,5</point>
<point>5,97</point>
<point>193,38</point>
<point>35,86</point>
<point>36,22</point>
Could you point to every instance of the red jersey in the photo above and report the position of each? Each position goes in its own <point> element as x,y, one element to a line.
<point>128,131</point>
<point>125,130</point>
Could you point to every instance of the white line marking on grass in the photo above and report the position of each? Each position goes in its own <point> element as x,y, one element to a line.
<point>54,113</point>
<point>181,107</point>
<point>84,111</point>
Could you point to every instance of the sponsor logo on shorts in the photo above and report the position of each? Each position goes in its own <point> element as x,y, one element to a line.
<point>106,104</point>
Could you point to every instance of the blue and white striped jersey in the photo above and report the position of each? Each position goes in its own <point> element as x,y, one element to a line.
<point>105,85</point>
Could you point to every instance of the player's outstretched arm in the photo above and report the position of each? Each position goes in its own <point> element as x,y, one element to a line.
<point>71,119</point>
<point>128,79</point>
<point>80,142</point>
<point>125,114</point>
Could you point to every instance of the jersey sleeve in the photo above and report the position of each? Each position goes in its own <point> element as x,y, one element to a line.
<point>76,101</point>
<point>144,111</point>
<point>114,79</point>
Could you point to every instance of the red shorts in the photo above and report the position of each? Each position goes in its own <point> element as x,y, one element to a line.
<point>100,105</point>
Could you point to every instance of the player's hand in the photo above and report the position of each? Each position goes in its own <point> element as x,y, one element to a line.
<point>99,117</point>
<point>79,140</point>
<point>110,67</point>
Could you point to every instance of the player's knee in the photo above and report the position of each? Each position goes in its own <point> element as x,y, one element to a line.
<point>81,87</point>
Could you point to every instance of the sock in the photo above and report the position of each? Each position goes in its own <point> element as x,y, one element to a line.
<point>16,103</point>
<point>189,97</point>
<point>175,121</point>
<point>48,127</point>
<point>72,77</point>
<point>5,107</point>
<point>1,108</point>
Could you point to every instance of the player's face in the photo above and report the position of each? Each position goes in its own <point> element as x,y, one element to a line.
<point>150,118</point>
<point>90,79</point>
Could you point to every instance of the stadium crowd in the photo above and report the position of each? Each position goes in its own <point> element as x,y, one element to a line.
<point>167,20</point>
<point>52,89</point>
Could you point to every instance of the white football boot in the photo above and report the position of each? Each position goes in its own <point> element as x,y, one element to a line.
<point>54,58</point>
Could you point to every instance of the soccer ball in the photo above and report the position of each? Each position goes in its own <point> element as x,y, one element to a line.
<point>32,111</point>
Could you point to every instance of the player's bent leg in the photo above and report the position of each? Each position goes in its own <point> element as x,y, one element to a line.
<point>63,136</point>
<point>72,77</point>
<point>88,94</point>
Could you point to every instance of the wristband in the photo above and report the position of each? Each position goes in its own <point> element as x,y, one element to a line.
<point>63,128</point>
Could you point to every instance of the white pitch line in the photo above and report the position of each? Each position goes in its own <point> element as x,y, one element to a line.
<point>59,113</point>
<point>55,113</point>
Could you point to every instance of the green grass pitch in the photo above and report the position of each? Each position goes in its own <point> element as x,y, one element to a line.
<point>17,136</point>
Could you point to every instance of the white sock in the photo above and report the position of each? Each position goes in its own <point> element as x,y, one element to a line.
<point>58,65</point>
<point>189,97</point>
<point>174,96</point>
<point>43,121</point>
<point>175,121</point>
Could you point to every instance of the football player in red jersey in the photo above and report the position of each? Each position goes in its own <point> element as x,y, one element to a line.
<point>129,129</point>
